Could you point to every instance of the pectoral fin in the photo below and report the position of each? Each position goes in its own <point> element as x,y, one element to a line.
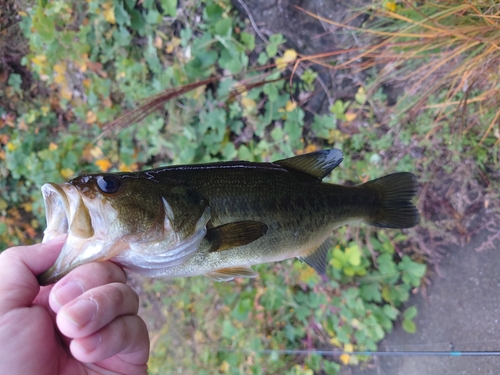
<point>228,274</point>
<point>231,235</point>
<point>317,259</point>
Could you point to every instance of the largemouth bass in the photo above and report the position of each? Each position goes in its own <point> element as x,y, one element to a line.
<point>216,219</point>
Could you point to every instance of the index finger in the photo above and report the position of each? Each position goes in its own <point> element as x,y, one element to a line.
<point>19,267</point>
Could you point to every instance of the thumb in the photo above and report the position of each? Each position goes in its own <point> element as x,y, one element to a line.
<point>19,267</point>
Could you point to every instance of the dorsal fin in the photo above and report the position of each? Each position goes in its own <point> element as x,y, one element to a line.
<point>231,235</point>
<point>318,164</point>
<point>227,274</point>
<point>317,259</point>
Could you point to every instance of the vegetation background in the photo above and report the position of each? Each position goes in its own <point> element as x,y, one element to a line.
<point>395,85</point>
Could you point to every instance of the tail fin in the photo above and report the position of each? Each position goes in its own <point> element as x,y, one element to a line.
<point>395,192</point>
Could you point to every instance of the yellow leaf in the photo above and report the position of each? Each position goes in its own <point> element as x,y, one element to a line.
<point>289,56</point>
<point>11,146</point>
<point>45,110</point>
<point>350,116</point>
<point>307,274</point>
<point>248,104</point>
<point>103,164</point>
<point>390,6</point>
<point>39,60</point>
<point>60,68</point>
<point>96,152</point>
<point>224,367</point>
<point>348,348</point>
<point>22,13</point>
<point>52,146</point>
<point>28,206</point>
<point>290,106</point>
<point>310,148</point>
<point>66,93</point>
<point>335,342</point>
<point>91,117</point>
<point>344,358</point>
<point>158,43</point>
<point>67,173</point>
<point>127,168</point>
<point>109,13</point>
<point>174,42</point>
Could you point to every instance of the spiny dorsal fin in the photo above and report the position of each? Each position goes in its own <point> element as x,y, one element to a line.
<point>227,274</point>
<point>317,259</point>
<point>318,164</point>
<point>231,235</point>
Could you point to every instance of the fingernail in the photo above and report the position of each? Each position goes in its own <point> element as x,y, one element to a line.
<point>89,343</point>
<point>68,292</point>
<point>81,312</point>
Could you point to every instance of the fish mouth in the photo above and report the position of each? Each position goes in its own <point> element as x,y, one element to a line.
<point>66,214</point>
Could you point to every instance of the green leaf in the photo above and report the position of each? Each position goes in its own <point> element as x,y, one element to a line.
<point>386,265</point>
<point>390,311</point>
<point>137,21</point>
<point>230,63</point>
<point>223,27</point>
<point>370,292</point>
<point>170,7</point>
<point>412,271</point>
<point>410,313</point>
<point>353,254</point>
<point>242,309</point>
<point>44,25</point>
<point>248,40</point>
<point>409,326</point>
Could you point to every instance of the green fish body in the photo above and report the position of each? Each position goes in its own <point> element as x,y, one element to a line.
<point>221,218</point>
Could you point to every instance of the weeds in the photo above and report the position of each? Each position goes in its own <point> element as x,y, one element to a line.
<point>94,60</point>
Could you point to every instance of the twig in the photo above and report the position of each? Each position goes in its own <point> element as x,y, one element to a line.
<point>250,17</point>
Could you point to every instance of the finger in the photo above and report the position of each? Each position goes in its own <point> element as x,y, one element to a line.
<point>82,279</point>
<point>96,308</point>
<point>19,267</point>
<point>126,335</point>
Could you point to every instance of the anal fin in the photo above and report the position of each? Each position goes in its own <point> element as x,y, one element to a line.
<point>228,274</point>
<point>317,259</point>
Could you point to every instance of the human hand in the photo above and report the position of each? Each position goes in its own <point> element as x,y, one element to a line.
<point>86,323</point>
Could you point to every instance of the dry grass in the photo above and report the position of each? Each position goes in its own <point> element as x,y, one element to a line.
<point>437,46</point>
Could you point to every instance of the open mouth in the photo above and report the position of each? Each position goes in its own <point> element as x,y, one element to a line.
<point>66,214</point>
<point>57,211</point>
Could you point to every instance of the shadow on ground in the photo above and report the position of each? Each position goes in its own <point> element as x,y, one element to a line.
<point>462,308</point>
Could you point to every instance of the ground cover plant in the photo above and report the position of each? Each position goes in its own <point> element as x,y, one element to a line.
<point>87,62</point>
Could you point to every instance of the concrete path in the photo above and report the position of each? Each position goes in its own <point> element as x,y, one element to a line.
<point>463,308</point>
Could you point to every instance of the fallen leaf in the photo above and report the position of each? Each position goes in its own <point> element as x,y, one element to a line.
<point>109,13</point>
<point>344,358</point>
<point>91,117</point>
<point>350,116</point>
<point>52,146</point>
<point>290,106</point>
<point>104,164</point>
<point>289,56</point>
<point>67,173</point>
<point>248,104</point>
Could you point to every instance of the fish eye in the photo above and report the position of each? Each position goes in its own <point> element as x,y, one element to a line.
<point>108,184</point>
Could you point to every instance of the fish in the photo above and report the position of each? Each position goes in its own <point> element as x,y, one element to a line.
<point>217,219</point>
